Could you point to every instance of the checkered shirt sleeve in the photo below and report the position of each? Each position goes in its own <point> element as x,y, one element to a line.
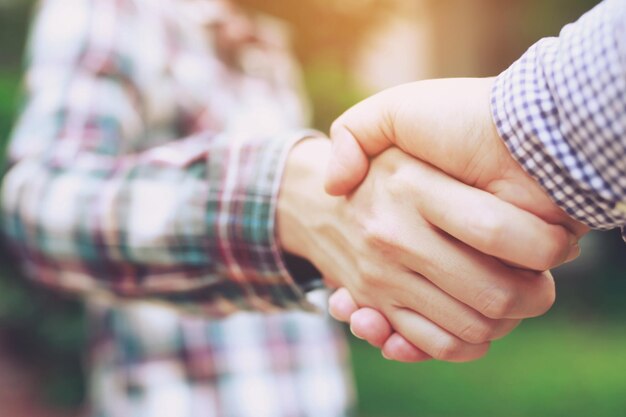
<point>98,201</point>
<point>561,109</point>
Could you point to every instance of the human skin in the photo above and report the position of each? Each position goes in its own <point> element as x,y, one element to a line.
<point>400,245</point>
<point>446,123</point>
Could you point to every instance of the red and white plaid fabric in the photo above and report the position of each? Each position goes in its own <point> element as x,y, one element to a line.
<point>145,167</point>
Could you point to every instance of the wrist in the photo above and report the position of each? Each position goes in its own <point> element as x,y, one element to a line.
<point>302,200</point>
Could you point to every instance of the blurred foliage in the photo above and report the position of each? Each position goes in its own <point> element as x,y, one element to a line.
<point>322,81</point>
<point>45,331</point>
<point>548,368</point>
<point>326,29</point>
<point>38,327</point>
<point>548,17</point>
<point>566,365</point>
<point>9,86</point>
<point>594,286</point>
<point>14,18</point>
<point>325,35</point>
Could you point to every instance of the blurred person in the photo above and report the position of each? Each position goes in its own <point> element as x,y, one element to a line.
<point>150,146</point>
<point>161,169</point>
<point>558,113</point>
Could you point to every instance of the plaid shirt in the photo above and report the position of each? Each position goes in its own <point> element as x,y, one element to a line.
<point>561,110</point>
<point>146,165</point>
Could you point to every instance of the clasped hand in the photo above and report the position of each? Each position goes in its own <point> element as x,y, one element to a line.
<point>488,273</point>
<point>440,252</point>
<point>439,245</point>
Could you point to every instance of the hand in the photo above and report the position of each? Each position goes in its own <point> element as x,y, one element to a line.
<point>396,244</point>
<point>448,124</point>
<point>370,325</point>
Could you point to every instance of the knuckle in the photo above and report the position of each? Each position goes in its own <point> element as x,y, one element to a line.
<point>496,302</point>
<point>371,276</point>
<point>479,331</point>
<point>447,348</point>
<point>376,235</point>
<point>369,279</point>
<point>397,185</point>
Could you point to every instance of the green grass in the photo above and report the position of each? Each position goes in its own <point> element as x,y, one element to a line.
<point>9,92</point>
<point>546,368</point>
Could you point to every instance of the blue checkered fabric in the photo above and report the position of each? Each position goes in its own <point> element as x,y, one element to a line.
<point>561,109</point>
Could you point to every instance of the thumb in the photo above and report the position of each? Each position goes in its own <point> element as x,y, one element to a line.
<point>360,133</point>
<point>348,163</point>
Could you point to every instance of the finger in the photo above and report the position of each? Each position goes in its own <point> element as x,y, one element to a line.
<point>432,339</point>
<point>370,325</point>
<point>520,189</point>
<point>341,305</point>
<point>391,117</point>
<point>362,132</point>
<point>447,131</point>
<point>397,348</point>
<point>348,164</point>
<point>482,282</point>
<point>479,281</point>
<point>423,297</point>
<point>499,229</point>
<point>504,328</point>
<point>491,225</point>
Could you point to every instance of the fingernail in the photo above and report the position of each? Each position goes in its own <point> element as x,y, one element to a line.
<point>382,352</point>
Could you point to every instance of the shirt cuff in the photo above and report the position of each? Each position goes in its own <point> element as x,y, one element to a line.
<point>527,119</point>
<point>259,265</point>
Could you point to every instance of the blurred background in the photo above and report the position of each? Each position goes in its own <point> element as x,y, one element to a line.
<point>571,362</point>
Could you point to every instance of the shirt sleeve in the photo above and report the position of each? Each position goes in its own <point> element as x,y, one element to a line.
<point>561,110</point>
<point>191,221</point>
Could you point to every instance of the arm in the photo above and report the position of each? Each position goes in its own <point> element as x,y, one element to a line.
<point>91,204</point>
<point>561,110</point>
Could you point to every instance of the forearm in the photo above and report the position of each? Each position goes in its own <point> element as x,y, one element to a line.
<point>560,110</point>
<point>194,217</point>
<point>123,181</point>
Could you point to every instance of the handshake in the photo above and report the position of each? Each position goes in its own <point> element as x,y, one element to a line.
<point>438,240</point>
